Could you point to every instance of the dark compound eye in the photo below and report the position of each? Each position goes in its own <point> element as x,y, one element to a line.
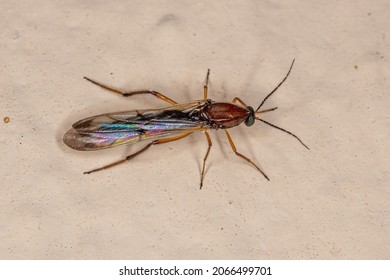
<point>251,118</point>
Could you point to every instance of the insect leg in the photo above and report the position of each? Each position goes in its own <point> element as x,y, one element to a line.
<point>129,157</point>
<point>242,156</point>
<point>170,139</point>
<point>120,161</point>
<point>206,84</point>
<point>205,157</point>
<point>236,99</point>
<point>130,93</point>
<point>267,110</point>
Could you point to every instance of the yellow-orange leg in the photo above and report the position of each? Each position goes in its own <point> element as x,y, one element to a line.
<point>130,93</point>
<point>267,110</point>
<point>206,84</point>
<point>155,142</point>
<point>236,99</point>
<point>205,157</point>
<point>242,156</point>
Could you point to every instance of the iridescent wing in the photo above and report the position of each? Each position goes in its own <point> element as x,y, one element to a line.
<point>113,129</point>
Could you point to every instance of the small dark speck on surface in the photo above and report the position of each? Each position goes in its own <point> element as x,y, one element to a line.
<point>7,119</point>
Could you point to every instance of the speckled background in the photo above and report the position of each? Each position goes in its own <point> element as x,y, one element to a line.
<point>328,203</point>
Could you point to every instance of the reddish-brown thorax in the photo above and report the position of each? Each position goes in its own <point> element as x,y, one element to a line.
<point>226,115</point>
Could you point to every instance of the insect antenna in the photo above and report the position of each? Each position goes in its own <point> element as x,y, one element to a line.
<point>282,129</point>
<point>288,73</point>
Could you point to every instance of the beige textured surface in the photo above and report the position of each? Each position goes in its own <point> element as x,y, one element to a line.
<point>331,202</point>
